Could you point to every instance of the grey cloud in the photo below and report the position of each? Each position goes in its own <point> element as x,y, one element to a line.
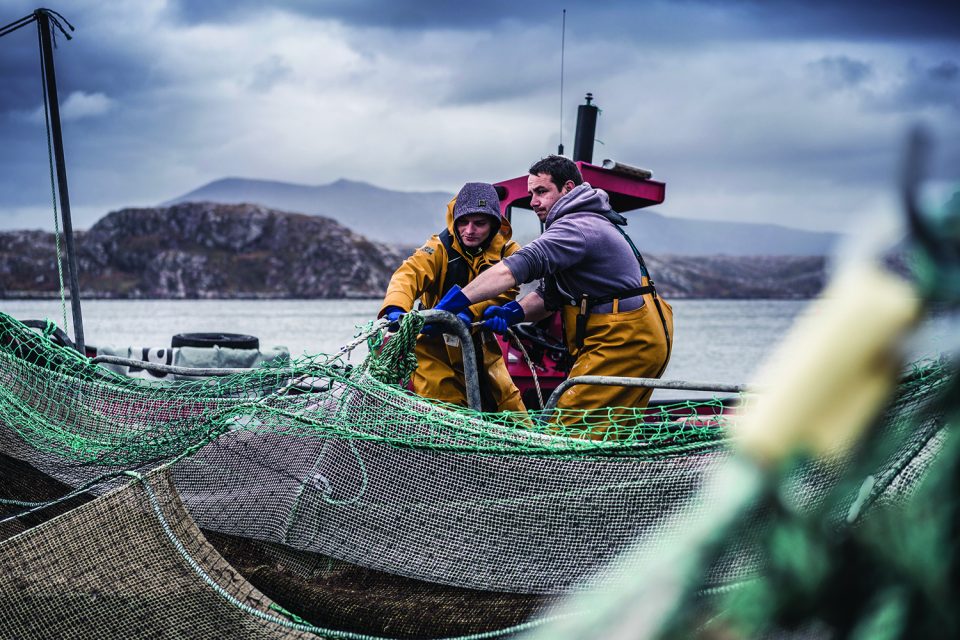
<point>381,13</point>
<point>853,19</point>
<point>472,82</point>
<point>477,90</point>
<point>840,72</point>
<point>654,21</point>
<point>925,85</point>
<point>269,73</point>
<point>23,165</point>
<point>946,71</point>
<point>19,69</point>
<point>96,73</point>
<point>93,62</point>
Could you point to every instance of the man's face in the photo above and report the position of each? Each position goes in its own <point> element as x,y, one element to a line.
<point>473,229</point>
<point>543,193</point>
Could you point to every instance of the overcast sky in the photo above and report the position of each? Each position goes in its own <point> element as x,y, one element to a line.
<point>791,112</point>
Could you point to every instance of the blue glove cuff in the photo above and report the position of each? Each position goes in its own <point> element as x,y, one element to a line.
<point>454,301</point>
<point>392,313</point>
<point>514,312</point>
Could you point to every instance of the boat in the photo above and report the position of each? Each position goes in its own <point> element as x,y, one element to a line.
<point>303,498</point>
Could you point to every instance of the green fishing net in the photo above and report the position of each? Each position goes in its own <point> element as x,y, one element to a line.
<point>316,497</point>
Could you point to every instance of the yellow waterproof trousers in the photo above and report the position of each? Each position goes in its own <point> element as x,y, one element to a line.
<point>629,343</point>
<point>439,373</point>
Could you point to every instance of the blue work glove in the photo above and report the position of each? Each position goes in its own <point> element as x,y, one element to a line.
<point>499,319</point>
<point>454,301</point>
<point>434,330</point>
<point>393,315</point>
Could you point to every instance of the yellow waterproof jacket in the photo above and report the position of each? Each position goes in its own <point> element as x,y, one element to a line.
<point>439,372</point>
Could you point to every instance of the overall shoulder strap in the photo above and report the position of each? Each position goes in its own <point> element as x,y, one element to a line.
<point>653,291</point>
<point>636,252</point>
<point>458,272</point>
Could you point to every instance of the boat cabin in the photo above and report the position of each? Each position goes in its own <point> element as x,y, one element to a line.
<point>629,188</point>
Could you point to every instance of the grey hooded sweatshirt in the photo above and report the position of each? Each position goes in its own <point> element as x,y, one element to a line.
<point>583,248</point>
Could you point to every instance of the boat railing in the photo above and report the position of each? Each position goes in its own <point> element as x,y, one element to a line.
<point>159,367</point>
<point>447,321</point>
<point>452,325</point>
<point>650,383</point>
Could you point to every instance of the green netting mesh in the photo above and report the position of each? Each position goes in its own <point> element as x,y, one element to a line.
<point>70,577</point>
<point>435,519</point>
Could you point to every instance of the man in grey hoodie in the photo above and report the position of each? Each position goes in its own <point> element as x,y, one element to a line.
<point>614,322</point>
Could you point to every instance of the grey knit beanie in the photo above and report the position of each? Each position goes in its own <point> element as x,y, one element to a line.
<point>477,197</point>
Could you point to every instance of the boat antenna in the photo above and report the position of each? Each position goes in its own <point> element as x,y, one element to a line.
<point>563,42</point>
<point>47,20</point>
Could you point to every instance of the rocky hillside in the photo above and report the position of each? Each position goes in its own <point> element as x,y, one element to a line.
<point>782,277</point>
<point>204,250</point>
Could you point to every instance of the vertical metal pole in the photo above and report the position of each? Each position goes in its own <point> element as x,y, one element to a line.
<point>50,77</point>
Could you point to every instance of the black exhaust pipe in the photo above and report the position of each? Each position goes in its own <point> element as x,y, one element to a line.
<point>586,131</point>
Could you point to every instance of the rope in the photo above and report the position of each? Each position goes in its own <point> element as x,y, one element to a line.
<point>39,506</point>
<point>16,24</point>
<point>533,369</point>
<point>53,187</point>
<point>55,19</point>
<point>362,337</point>
<point>395,361</point>
<point>873,487</point>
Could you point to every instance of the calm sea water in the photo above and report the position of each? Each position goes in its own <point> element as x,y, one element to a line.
<point>716,340</point>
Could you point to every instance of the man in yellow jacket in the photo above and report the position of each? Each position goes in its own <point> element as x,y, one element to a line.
<point>476,238</point>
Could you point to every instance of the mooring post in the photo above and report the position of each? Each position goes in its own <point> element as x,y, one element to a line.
<point>50,77</point>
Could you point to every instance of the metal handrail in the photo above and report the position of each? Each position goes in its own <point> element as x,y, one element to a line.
<point>650,383</point>
<point>453,325</point>
<point>179,371</point>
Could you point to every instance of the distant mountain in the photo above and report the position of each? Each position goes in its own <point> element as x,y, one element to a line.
<point>399,217</point>
<point>656,233</point>
<point>407,218</point>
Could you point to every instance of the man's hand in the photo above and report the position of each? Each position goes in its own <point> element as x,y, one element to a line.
<point>499,319</point>
<point>393,315</point>
<point>434,330</point>
<point>454,301</point>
